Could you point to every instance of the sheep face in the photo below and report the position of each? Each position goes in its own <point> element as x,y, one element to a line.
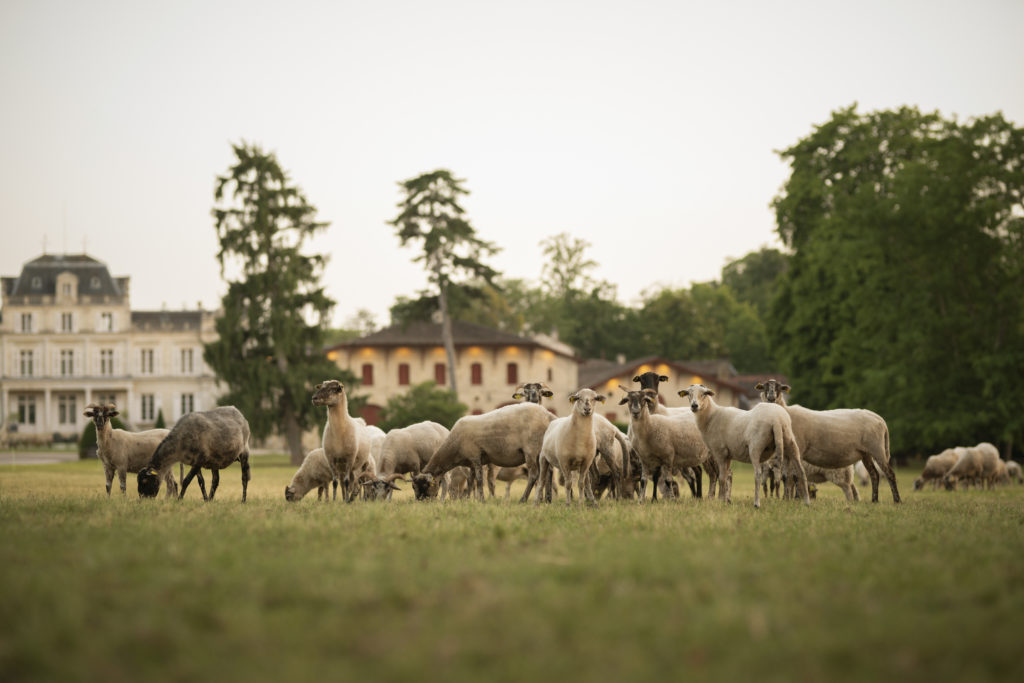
<point>772,390</point>
<point>328,393</point>
<point>698,395</point>
<point>377,489</point>
<point>534,392</point>
<point>100,414</point>
<point>149,482</point>
<point>583,401</point>
<point>636,401</point>
<point>650,380</point>
<point>289,495</point>
<point>424,486</point>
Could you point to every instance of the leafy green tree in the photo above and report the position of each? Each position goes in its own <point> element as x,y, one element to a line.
<point>422,402</point>
<point>903,291</point>
<point>753,278</point>
<point>430,213</point>
<point>271,333</point>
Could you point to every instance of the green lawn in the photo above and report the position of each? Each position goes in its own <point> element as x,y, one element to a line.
<point>128,590</point>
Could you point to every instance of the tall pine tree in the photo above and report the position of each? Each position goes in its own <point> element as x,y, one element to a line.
<point>271,334</point>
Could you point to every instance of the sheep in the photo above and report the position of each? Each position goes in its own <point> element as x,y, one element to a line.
<point>570,446</point>
<point>838,438</point>
<point>990,461</point>
<point>347,442</point>
<point>314,472</point>
<point>967,468</point>
<point>1013,472</point>
<point>380,488</point>
<point>408,449</point>
<point>508,475</point>
<point>664,443</point>
<point>533,392</point>
<point>936,467</point>
<point>212,439</point>
<point>752,436</point>
<point>507,436</point>
<point>122,451</point>
<point>651,380</point>
<point>843,477</point>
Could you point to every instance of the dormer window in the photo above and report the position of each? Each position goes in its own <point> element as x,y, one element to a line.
<point>65,289</point>
<point>95,283</point>
<point>37,283</point>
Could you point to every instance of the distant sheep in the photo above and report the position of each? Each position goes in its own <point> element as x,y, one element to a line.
<point>314,473</point>
<point>569,445</point>
<point>935,468</point>
<point>212,439</point>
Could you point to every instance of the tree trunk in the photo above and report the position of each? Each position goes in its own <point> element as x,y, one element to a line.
<point>293,437</point>
<point>446,334</point>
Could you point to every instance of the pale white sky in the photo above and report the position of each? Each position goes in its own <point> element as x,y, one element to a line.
<point>644,127</point>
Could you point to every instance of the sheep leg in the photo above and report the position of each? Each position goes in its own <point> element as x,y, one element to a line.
<point>188,480</point>
<point>108,472</point>
<point>246,473</point>
<point>587,487</point>
<point>214,484</point>
<point>532,469</point>
<point>698,476</point>
<point>891,476</point>
<point>712,470</point>
<point>656,481</point>
<point>491,471</point>
<point>758,475</point>
<point>873,473</point>
<point>122,475</point>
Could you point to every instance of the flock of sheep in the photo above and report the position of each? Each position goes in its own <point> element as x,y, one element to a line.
<point>791,448</point>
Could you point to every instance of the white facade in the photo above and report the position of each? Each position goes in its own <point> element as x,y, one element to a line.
<point>68,338</point>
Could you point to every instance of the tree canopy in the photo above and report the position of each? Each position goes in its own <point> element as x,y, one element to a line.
<point>269,350</point>
<point>903,292</point>
<point>422,402</point>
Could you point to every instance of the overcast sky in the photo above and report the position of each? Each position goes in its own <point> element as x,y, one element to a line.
<point>648,128</point>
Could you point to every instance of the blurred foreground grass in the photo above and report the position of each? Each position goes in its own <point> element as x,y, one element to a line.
<point>120,590</point>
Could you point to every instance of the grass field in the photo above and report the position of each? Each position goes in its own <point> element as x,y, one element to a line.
<point>127,590</point>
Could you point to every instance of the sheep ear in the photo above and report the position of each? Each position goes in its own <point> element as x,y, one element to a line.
<point>547,394</point>
<point>573,398</point>
<point>708,392</point>
<point>599,398</point>
<point>517,396</point>
<point>662,378</point>
<point>785,387</point>
<point>625,399</point>
<point>88,413</point>
<point>113,413</point>
<point>759,386</point>
<point>637,378</point>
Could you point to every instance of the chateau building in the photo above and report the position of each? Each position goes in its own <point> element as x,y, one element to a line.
<point>68,338</point>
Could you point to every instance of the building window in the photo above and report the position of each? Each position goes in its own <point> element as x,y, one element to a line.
<point>512,373</point>
<point>551,375</point>
<point>188,403</point>
<point>37,283</point>
<point>95,283</point>
<point>65,289</point>
<point>187,365</point>
<point>440,376</point>
<point>66,413</point>
<point>67,363</point>
<point>147,408</point>
<point>66,322</point>
<point>477,411</point>
<point>106,399</point>
<point>26,363</point>
<point>476,373</point>
<point>146,362</point>
<point>26,410</point>
<point>106,362</point>
<point>26,322</point>
<point>368,374</point>
<point>403,374</point>
<point>106,322</point>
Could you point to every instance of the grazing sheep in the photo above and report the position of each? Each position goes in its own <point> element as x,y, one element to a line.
<point>664,443</point>
<point>380,488</point>
<point>1013,472</point>
<point>838,438</point>
<point>212,439</point>
<point>966,469</point>
<point>753,436</point>
<point>990,464</point>
<point>347,442</point>
<point>122,451</point>
<point>408,449</point>
<point>570,446</point>
<point>936,467</point>
<point>507,436</point>
<point>314,472</point>
<point>842,477</point>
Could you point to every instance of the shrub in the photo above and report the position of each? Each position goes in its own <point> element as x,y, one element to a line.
<point>422,402</point>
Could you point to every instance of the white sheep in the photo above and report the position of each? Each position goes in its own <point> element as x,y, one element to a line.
<point>506,436</point>
<point>212,439</point>
<point>752,436</point>
<point>966,469</point>
<point>314,472</point>
<point>664,443</point>
<point>347,441</point>
<point>838,438</point>
<point>121,451</point>
<point>569,445</point>
<point>990,464</point>
<point>1013,471</point>
<point>407,450</point>
<point>935,468</point>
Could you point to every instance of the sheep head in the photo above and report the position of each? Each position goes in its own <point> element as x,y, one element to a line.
<point>636,400</point>
<point>149,482</point>
<point>328,393</point>
<point>650,380</point>
<point>425,486</point>
<point>698,395</point>
<point>583,401</point>
<point>101,413</point>
<point>533,392</point>
<point>377,489</point>
<point>772,390</point>
<point>289,495</point>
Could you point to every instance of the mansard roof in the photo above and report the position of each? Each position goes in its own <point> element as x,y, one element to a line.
<point>39,277</point>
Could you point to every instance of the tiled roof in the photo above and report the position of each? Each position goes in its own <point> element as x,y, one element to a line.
<point>463,333</point>
<point>39,276</point>
<point>595,372</point>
